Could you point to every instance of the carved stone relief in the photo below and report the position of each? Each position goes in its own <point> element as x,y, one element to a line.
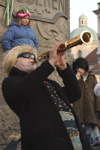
<point>45,10</point>
<point>55,31</point>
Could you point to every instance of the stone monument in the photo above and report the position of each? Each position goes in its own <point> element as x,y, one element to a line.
<point>51,22</point>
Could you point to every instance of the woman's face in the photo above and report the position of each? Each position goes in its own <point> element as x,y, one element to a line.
<point>80,71</point>
<point>25,20</point>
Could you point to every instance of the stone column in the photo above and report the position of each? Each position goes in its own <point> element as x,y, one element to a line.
<point>97,12</point>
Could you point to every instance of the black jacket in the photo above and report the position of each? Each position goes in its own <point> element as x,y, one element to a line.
<point>41,125</point>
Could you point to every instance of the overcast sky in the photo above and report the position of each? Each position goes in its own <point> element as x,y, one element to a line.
<point>77,7</point>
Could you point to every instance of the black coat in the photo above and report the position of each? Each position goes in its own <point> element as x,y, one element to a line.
<point>41,125</point>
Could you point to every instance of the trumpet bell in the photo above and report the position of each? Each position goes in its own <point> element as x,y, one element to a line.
<point>86,37</point>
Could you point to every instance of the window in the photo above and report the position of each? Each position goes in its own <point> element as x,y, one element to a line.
<point>79,53</point>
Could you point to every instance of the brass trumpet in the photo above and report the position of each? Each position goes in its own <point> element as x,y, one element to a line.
<point>85,37</point>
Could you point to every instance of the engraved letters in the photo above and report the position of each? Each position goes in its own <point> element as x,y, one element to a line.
<point>45,10</point>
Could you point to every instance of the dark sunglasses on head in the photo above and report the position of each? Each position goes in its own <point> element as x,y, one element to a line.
<point>27,55</point>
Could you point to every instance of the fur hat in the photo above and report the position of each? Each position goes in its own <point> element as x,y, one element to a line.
<point>11,56</point>
<point>13,137</point>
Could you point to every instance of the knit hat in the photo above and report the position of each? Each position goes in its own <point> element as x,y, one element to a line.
<point>24,13</point>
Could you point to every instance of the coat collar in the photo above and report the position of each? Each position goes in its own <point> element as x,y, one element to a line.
<point>16,72</point>
<point>90,75</point>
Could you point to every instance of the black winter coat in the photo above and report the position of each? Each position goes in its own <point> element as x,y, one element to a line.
<point>41,125</point>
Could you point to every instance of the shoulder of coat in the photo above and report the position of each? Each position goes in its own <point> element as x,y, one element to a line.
<point>91,75</point>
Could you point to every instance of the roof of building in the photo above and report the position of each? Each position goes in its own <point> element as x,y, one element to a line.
<point>92,57</point>
<point>96,67</point>
<point>82,16</point>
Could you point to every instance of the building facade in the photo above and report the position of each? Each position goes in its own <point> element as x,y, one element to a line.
<point>84,49</point>
<point>87,51</point>
<point>96,68</point>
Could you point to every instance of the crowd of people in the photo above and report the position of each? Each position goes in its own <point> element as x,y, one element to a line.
<point>51,117</point>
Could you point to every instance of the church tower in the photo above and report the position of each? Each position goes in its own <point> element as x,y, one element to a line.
<point>83,21</point>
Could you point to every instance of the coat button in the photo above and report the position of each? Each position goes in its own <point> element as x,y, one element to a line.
<point>86,87</point>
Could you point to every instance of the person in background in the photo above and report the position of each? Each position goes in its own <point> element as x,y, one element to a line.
<point>48,122</point>
<point>20,32</point>
<point>87,106</point>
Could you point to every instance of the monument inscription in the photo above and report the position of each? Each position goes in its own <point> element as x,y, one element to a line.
<point>44,10</point>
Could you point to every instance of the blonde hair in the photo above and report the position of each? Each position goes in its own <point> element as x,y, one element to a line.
<point>19,19</point>
<point>10,58</point>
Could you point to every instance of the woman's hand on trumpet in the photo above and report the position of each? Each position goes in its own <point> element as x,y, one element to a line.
<point>57,59</point>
